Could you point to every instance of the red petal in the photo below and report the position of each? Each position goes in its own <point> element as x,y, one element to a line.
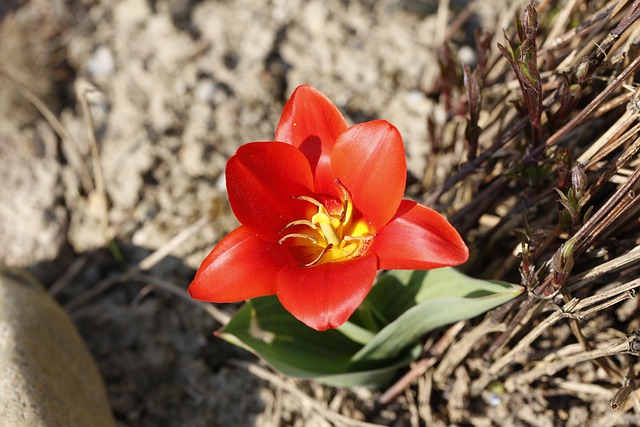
<point>325,295</point>
<point>262,178</point>
<point>418,238</point>
<point>369,161</point>
<point>312,123</point>
<point>240,267</point>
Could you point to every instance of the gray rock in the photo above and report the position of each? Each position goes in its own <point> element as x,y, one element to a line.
<point>47,376</point>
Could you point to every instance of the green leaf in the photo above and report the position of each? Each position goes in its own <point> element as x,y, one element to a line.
<point>372,377</point>
<point>381,337</point>
<point>262,325</point>
<point>440,297</point>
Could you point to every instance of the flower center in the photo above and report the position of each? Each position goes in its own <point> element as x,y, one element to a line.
<point>328,235</point>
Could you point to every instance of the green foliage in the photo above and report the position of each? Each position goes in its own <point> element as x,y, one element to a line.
<point>383,335</point>
<point>522,57</point>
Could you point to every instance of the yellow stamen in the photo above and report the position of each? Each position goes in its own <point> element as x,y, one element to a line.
<point>319,257</point>
<point>310,200</point>
<point>347,204</point>
<point>300,222</point>
<point>300,236</point>
<point>332,236</point>
<point>348,239</point>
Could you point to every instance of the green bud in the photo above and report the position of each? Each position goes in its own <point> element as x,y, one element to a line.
<point>578,181</point>
<point>582,70</point>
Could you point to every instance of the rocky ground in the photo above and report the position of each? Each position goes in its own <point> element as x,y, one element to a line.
<point>116,120</point>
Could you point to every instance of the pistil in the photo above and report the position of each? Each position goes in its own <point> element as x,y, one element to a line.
<point>328,225</point>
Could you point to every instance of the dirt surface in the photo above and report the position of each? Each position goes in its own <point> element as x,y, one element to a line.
<point>170,89</point>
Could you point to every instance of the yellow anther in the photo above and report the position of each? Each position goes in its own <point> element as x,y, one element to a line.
<point>310,200</point>
<point>300,222</point>
<point>347,204</point>
<point>300,236</point>
<point>349,239</point>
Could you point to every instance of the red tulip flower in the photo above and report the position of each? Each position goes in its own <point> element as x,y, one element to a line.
<point>322,211</point>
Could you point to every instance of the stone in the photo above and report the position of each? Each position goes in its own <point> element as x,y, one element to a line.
<point>48,378</point>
